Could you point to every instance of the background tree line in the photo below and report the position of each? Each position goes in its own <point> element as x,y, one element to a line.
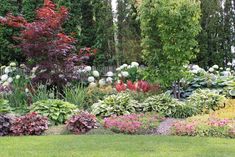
<point>118,41</point>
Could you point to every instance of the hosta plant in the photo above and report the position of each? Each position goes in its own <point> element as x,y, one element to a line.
<point>206,100</point>
<point>118,104</point>
<point>4,106</point>
<point>81,123</point>
<point>30,124</point>
<point>57,111</point>
<point>5,124</point>
<point>163,104</point>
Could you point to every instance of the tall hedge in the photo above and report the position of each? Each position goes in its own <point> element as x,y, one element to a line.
<point>169,30</point>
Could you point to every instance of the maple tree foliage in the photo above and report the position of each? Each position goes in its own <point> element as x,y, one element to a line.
<point>44,45</point>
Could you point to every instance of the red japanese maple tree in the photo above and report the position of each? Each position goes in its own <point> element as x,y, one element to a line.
<point>44,45</point>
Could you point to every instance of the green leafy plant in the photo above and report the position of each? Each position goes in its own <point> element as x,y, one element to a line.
<point>169,31</point>
<point>81,123</point>
<point>57,111</point>
<point>206,100</point>
<point>118,104</point>
<point>163,104</point>
<point>4,106</point>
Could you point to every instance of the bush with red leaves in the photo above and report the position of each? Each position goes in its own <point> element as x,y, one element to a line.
<point>81,123</point>
<point>44,46</point>
<point>30,124</point>
<point>5,124</point>
<point>139,86</point>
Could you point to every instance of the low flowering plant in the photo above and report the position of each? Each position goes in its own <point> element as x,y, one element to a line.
<point>132,123</point>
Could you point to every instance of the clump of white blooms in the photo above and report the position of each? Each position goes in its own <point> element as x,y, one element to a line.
<point>211,70</point>
<point>109,80</point>
<point>124,74</point>
<point>102,82</point>
<point>95,73</point>
<point>91,79</point>
<point>215,67</point>
<point>134,64</point>
<point>110,74</point>
<point>87,68</point>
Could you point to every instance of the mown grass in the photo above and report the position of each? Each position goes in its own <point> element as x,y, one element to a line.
<point>115,146</point>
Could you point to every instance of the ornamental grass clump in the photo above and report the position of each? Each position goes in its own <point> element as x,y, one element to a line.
<point>82,123</point>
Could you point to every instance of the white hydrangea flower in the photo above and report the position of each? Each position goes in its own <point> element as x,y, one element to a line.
<point>194,71</point>
<point>195,67</point>
<point>7,70</point>
<point>211,70</point>
<point>102,82</point>
<point>125,73</point>
<point>22,65</point>
<point>5,84</point>
<point>228,69</point>
<point>96,73</point>
<point>109,79</point>
<point>109,74</point>
<point>92,84</point>
<point>134,64</point>
<point>26,90</point>
<point>229,64</point>
<point>10,80</point>
<point>4,77</point>
<point>215,66</point>
<point>119,75</point>
<point>2,67</point>
<point>118,69</point>
<point>87,68</point>
<point>226,73</point>
<point>91,79</point>
<point>12,64</point>
<point>221,68</point>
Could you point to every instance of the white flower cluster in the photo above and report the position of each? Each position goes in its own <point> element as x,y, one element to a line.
<point>123,69</point>
<point>95,79</point>
<point>195,69</point>
<point>6,77</point>
<point>125,66</point>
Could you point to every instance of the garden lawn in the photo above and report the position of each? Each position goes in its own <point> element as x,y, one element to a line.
<point>115,146</point>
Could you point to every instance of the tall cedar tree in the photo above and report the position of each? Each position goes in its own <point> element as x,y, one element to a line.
<point>43,44</point>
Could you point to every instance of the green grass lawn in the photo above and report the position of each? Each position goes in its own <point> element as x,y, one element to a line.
<point>115,146</point>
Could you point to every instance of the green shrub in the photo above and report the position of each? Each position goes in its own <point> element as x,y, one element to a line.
<point>118,104</point>
<point>57,111</point>
<point>163,104</point>
<point>4,106</point>
<point>206,100</point>
<point>185,110</point>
